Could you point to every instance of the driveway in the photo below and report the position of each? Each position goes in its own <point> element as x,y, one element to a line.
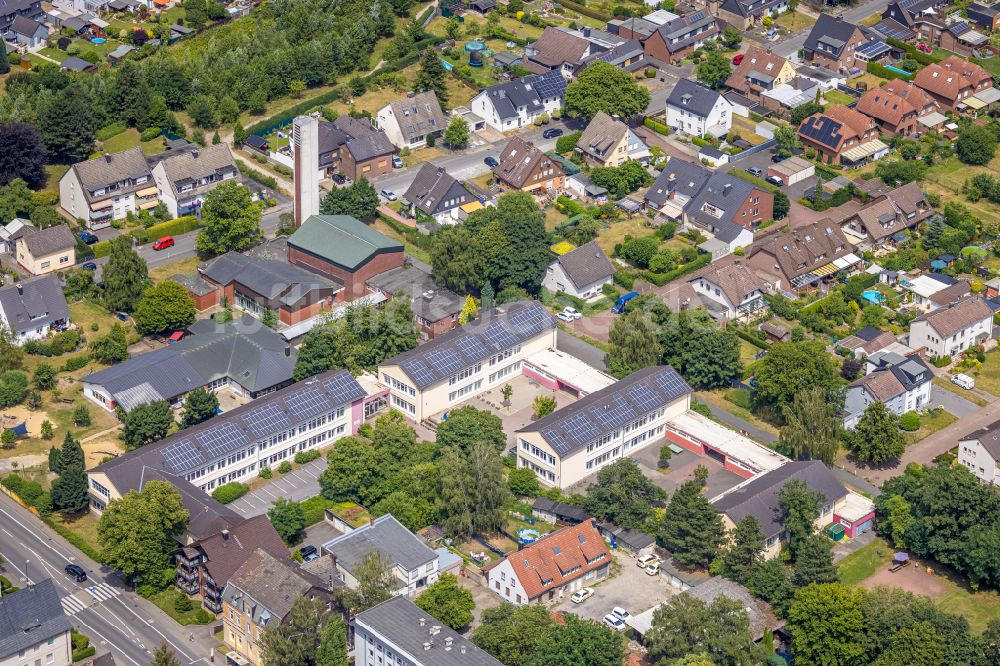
<point>586,352</point>
<point>297,485</point>
<point>952,402</point>
<point>631,588</point>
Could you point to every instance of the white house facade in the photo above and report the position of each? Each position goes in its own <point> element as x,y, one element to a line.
<point>696,110</point>
<point>953,329</point>
<point>979,452</point>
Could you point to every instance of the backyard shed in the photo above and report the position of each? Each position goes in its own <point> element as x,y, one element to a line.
<point>792,170</point>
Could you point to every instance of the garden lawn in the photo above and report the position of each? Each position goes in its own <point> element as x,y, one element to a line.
<point>603,304</point>
<point>837,97</point>
<point>85,314</point>
<point>616,231</point>
<point>81,528</point>
<point>987,375</point>
<point>717,399</point>
<point>164,600</point>
<point>182,267</point>
<point>794,21</point>
<point>864,562</point>
<point>930,423</point>
<point>747,352</point>
<point>410,248</point>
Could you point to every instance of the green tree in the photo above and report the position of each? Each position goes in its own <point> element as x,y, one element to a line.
<point>604,87</point>
<point>375,583</point>
<point>771,582</point>
<point>288,519</point>
<point>720,629</point>
<point>792,367</point>
<point>112,347</point>
<point>13,388</point>
<point>164,306</point>
<point>54,460</point>
<point>876,439</point>
<point>800,510</point>
<point>743,553</point>
<point>490,492</point>
<point>202,110</point>
<point>415,513</point>
<point>802,112</point>
<point>467,425</point>
<point>137,533</point>
<point>976,144</point>
<point>46,428</point>
<point>622,495</point>
<point>814,562</point>
<point>456,494</point>
<point>448,602</point>
<point>896,519</point>
<point>44,377</point>
<point>692,529</point>
<point>512,634</point>
<point>11,355</point>
<point>825,622</point>
<point>457,133</point>
<point>332,649</point>
<point>125,275</point>
<point>164,656</point>
<point>230,220</point>
<point>919,644</point>
<point>359,200</point>
<point>578,643</point>
<point>199,406</point>
<point>25,155</point>
<point>296,640</point>
<point>523,482</point>
<point>812,428</point>
<point>543,405</point>
<point>622,180</point>
<point>69,491</point>
<point>431,76</point>
<point>713,70</point>
<point>711,359</point>
<point>731,37</point>
<point>634,344</point>
<point>67,125</point>
<point>81,416</point>
<point>70,455</point>
<point>786,139</point>
<point>146,423</point>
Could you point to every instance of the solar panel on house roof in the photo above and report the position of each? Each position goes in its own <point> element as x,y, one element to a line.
<point>307,403</point>
<point>555,438</point>
<point>469,345</point>
<point>342,388</point>
<point>528,322</point>
<point>671,383</point>
<point>222,439</point>
<point>893,30</point>
<point>825,130</point>
<point>548,86</point>
<point>266,420</point>
<point>444,362</point>
<point>872,49</point>
<point>614,414</point>
<point>182,456</point>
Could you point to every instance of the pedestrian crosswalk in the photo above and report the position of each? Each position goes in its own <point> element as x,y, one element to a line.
<point>98,593</point>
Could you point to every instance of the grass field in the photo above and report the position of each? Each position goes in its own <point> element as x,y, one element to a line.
<point>794,21</point>
<point>987,375</point>
<point>837,97</point>
<point>131,138</point>
<point>863,563</point>
<point>411,249</point>
<point>616,232</point>
<point>930,423</point>
<point>747,352</point>
<point>717,399</point>
<point>183,267</point>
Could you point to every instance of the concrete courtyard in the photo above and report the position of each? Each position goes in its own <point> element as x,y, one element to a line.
<point>630,588</point>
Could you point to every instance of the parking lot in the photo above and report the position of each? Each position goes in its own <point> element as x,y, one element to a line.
<point>631,588</point>
<point>297,485</point>
<point>762,161</point>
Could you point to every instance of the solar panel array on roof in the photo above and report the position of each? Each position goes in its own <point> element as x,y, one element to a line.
<point>550,85</point>
<point>182,456</point>
<point>872,49</point>
<point>265,420</point>
<point>892,30</point>
<point>222,439</point>
<point>501,329</point>
<point>607,410</point>
<point>822,129</point>
<point>308,403</point>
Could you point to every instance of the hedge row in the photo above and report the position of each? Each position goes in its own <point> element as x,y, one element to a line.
<point>106,133</point>
<point>230,492</point>
<point>656,126</point>
<point>660,279</point>
<point>257,176</point>
<point>752,339</point>
<point>423,241</point>
<point>911,50</point>
<point>101,248</point>
<point>759,182</point>
<point>878,70</point>
<point>586,11</point>
<point>181,225</point>
<point>313,509</point>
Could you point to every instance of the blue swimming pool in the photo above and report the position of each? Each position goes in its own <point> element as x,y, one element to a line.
<point>98,40</point>
<point>898,70</point>
<point>873,296</point>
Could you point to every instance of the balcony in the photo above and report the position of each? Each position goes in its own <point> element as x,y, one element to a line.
<point>187,574</point>
<point>213,605</point>
<point>188,587</point>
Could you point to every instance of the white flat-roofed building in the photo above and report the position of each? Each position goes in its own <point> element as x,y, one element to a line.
<point>742,455</point>
<point>576,441</point>
<point>559,371</point>
<point>448,370</point>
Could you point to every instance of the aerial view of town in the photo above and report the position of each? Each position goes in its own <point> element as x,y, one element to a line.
<point>500,333</point>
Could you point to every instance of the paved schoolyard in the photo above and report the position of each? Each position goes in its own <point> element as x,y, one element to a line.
<point>631,588</point>
<point>299,484</point>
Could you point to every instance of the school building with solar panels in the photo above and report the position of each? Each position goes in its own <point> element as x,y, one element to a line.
<point>444,372</point>
<point>576,441</point>
<point>234,446</point>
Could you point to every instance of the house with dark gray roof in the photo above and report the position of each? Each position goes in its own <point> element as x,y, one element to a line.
<point>414,564</point>
<point>436,309</point>
<point>259,596</point>
<point>901,383</point>
<point>759,497</point>
<point>108,188</point>
<point>673,40</point>
<point>832,43</point>
<point>186,177</point>
<point>33,308</point>
<point>580,273</point>
<point>352,147</point>
<point>446,371</point>
<point>255,286</point>
<point>400,631</point>
<point>42,251</point>
<point>507,106</point>
<point>10,10</point>
<point>979,452</point>
<point>29,32</point>
<point>234,446</point>
<point>436,194</point>
<point>574,442</point>
<point>408,121</point>
<point>696,110</point>
<point>627,55</point>
<point>244,356</point>
<point>745,14</point>
<point>33,626</point>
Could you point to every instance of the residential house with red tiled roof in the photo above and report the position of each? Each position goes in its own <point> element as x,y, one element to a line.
<point>888,214</point>
<point>553,567</point>
<point>760,70</point>
<point>556,49</point>
<point>523,166</point>
<point>952,81</point>
<point>897,107</point>
<point>836,132</point>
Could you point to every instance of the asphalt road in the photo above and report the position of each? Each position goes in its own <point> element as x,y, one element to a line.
<point>115,619</point>
<point>469,164</point>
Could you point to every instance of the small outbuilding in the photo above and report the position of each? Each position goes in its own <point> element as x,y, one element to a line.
<point>793,170</point>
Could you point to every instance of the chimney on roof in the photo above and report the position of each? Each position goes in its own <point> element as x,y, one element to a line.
<point>194,153</point>
<point>463,648</point>
<point>422,621</point>
<point>225,538</point>
<point>427,645</point>
<point>288,349</point>
<point>107,157</point>
<point>672,177</point>
<point>586,32</point>
<point>410,95</point>
<point>726,189</point>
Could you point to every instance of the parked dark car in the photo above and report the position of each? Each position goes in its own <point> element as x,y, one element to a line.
<point>308,553</point>
<point>339,179</point>
<point>89,266</point>
<point>88,237</point>
<point>776,157</point>
<point>76,571</point>
<point>552,133</point>
<point>491,161</point>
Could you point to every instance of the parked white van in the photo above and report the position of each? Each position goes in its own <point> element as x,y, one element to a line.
<point>965,381</point>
